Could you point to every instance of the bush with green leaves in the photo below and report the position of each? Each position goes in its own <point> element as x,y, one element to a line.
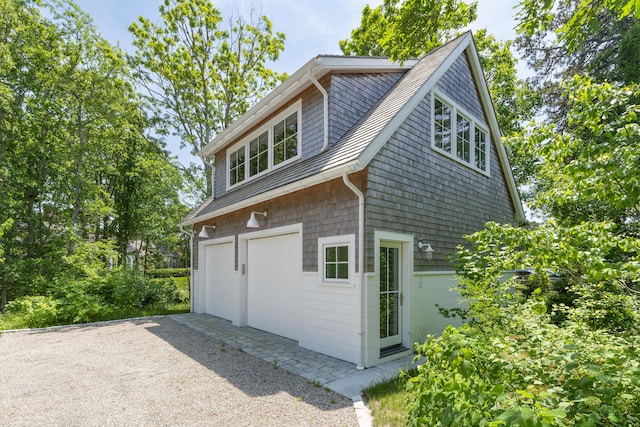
<point>95,298</point>
<point>36,311</point>
<point>539,374</point>
<point>535,358</point>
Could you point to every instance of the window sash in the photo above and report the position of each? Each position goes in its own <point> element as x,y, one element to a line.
<point>442,126</point>
<point>336,262</point>
<point>480,149</point>
<point>285,139</point>
<point>259,154</point>
<point>237,166</point>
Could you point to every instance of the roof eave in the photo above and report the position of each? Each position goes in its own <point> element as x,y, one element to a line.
<point>319,178</point>
<point>295,84</point>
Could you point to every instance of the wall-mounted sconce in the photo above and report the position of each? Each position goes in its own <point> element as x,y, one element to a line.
<point>253,221</point>
<point>203,233</point>
<point>426,248</point>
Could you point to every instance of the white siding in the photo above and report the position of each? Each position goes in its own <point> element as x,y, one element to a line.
<point>330,318</point>
<point>427,290</point>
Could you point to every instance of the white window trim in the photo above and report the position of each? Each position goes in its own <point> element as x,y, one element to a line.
<point>455,111</point>
<point>268,127</point>
<point>348,240</point>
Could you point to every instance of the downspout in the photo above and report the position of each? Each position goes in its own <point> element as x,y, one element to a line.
<point>190,267</point>
<point>361,295</point>
<point>213,176</point>
<point>325,95</point>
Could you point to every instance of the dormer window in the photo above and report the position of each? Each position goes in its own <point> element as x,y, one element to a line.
<point>458,136</point>
<point>273,145</point>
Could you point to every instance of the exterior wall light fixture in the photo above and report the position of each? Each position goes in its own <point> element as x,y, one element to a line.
<point>253,221</point>
<point>203,233</point>
<point>426,248</point>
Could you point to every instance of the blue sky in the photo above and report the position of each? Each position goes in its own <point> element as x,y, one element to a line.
<point>312,27</point>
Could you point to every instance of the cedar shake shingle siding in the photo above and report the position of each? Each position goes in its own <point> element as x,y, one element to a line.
<point>416,190</point>
<point>327,209</point>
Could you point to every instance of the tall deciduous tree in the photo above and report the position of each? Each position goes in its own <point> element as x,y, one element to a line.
<point>589,170</point>
<point>560,39</point>
<point>199,75</point>
<point>409,29</point>
<point>69,118</point>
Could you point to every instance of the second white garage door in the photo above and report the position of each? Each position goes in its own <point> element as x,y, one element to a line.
<point>274,280</point>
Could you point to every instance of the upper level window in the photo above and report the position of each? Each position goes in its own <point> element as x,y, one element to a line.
<point>481,149</point>
<point>273,145</point>
<point>458,136</point>
<point>442,124</point>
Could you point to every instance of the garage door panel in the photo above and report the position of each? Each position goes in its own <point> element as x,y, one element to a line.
<point>274,274</point>
<point>220,286</point>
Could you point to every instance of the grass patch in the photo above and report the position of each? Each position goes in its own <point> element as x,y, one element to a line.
<point>386,401</point>
<point>15,321</point>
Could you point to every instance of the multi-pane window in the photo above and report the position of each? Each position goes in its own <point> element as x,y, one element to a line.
<point>336,262</point>
<point>259,154</point>
<point>285,139</point>
<point>442,123</point>
<point>274,145</point>
<point>481,149</point>
<point>458,136</point>
<point>236,166</point>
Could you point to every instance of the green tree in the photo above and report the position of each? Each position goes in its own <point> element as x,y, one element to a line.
<point>561,39</point>
<point>72,129</point>
<point>579,20</point>
<point>199,76</point>
<point>411,29</point>
<point>588,171</point>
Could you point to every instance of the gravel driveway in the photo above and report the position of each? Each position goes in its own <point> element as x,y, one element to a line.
<point>148,372</point>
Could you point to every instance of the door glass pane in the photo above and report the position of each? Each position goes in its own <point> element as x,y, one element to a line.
<point>389,292</point>
<point>383,270</point>
<point>384,304</point>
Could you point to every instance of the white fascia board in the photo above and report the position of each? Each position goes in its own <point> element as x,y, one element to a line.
<point>495,129</point>
<point>294,85</point>
<point>316,179</point>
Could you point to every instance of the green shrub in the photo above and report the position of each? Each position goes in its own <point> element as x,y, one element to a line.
<point>131,288</point>
<point>36,311</point>
<point>563,353</point>
<point>167,272</point>
<point>533,374</point>
<point>78,304</point>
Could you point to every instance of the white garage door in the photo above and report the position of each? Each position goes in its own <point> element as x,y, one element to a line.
<point>274,281</point>
<point>220,290</point>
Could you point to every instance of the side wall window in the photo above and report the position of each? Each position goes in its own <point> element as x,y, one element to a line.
<point>336,258</point>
